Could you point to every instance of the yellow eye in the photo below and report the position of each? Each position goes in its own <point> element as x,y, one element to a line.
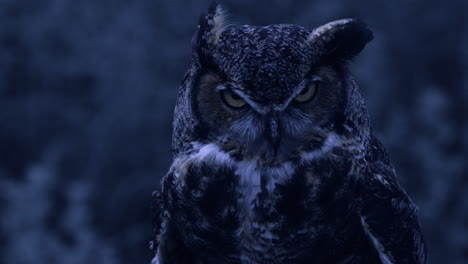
<point>232,99</point>
<point>307,93</point>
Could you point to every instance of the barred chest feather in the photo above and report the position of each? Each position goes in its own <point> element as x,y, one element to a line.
<point>239,212</point>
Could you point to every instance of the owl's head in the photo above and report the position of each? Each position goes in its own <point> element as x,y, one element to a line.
<point>273,91</point>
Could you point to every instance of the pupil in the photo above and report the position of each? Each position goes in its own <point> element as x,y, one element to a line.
<point>304,91</point>
<point>235,96</point>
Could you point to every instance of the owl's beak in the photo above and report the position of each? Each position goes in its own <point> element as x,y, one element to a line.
<point>274,134</point>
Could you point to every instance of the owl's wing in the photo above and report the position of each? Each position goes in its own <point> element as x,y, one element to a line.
<point>166,244</point>
<point>389,218</point>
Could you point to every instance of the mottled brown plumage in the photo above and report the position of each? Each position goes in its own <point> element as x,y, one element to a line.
<point>275,161</point>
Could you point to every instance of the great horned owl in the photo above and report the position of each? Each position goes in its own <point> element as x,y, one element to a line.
<point>275,161</point>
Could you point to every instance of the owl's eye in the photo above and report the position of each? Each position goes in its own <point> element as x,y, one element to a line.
<point>231,99</point>
<point>307,93</point>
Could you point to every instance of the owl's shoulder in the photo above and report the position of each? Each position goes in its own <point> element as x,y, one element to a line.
<point>376,151</point>
<point>379,178</point>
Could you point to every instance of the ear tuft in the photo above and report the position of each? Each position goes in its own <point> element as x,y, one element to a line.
<point>341,39</point>
<point>211,25</point>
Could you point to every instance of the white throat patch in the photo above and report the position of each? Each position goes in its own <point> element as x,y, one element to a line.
<point>248,171</point>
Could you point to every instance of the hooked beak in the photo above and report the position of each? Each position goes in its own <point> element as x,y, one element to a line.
<point>274,133</point>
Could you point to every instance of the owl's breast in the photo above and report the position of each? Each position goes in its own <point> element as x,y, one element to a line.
<point>241,212</point>
<point>296,216</point>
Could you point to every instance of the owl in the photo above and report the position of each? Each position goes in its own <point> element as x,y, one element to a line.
<point>274,158</point>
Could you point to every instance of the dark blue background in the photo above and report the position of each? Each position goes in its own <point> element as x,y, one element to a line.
<point>87,90</point>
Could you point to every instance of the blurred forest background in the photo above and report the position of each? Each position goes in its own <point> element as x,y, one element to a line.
<point>87,90</point>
